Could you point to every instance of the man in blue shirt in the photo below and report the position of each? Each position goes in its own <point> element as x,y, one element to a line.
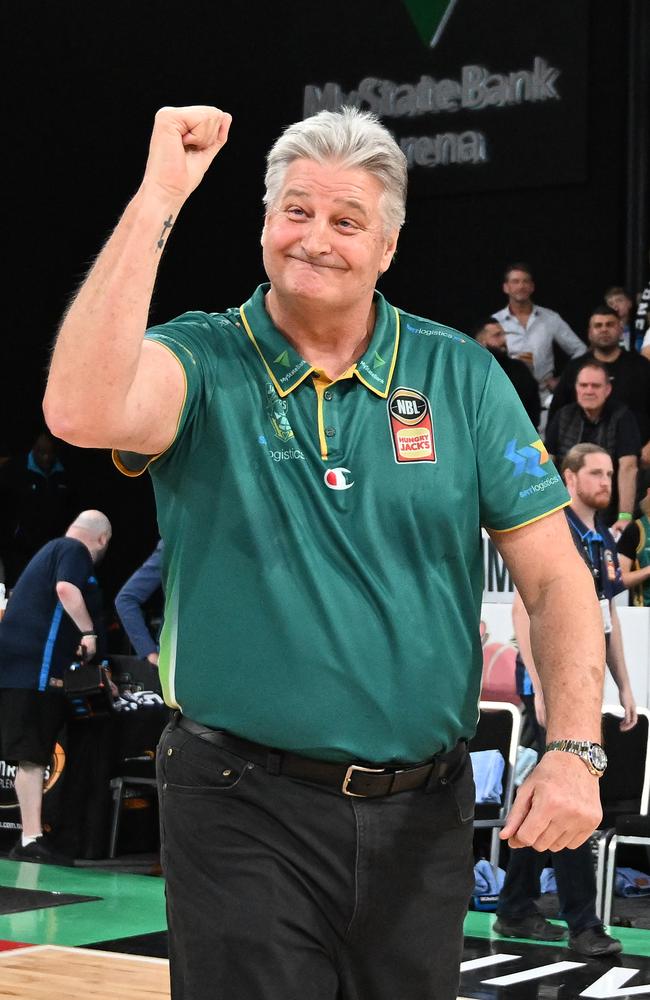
<point>46,621</point>
<point>136,591</point>
<point>588,472</point>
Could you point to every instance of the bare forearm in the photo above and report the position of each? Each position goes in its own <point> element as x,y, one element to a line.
<point>74,606</point>
<point>616,655</point>
<point>100,341</point>
<point>634,577</point>
<point>521,624</point>
<point>626,488</point>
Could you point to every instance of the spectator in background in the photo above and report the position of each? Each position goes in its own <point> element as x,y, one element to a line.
<point>531,330</point>
<point>588,473</point>
<point>129,605</point>
<point>595,419</point>
<point>618,300</point>
<point>641,326</point>
<point>634,556</point>
<point>628,372</point>
<point>36,503</point>
<point>50,615</point>
<point>492,336</point>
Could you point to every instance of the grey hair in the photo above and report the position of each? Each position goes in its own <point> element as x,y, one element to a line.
<point>352,139</point>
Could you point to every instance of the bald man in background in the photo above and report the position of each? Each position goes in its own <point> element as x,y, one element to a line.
<point>46,622</point>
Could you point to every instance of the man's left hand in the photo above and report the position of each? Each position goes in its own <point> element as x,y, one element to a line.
<point>557,806</point>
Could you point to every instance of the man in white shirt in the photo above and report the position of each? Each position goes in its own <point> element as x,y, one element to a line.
<point>531,330</point>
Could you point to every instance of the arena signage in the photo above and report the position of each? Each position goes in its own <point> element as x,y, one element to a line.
<point>496,108</point>
<point>476,89</point>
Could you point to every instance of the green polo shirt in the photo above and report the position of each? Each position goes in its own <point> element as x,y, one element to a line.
<point>322,562</point>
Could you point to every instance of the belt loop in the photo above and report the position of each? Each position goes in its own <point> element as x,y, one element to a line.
<point>273,761</point>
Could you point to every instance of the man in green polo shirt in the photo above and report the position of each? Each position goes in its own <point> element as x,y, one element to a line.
<point>323,463</point>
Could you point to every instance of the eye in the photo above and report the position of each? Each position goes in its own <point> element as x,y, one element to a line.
<point>347,224</point>
<point>295,212</point>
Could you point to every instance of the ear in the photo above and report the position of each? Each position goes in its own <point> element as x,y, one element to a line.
<point>608,389</point>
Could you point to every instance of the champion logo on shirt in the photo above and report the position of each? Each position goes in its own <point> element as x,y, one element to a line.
<point>338,479</point>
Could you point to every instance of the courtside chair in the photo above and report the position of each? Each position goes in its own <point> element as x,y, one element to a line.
<point>625,796</point>
<point>136,735</point>
<point>499,727</point>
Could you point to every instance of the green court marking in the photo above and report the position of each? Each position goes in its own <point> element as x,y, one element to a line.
<point>479,925</point>
<point>129,905</point>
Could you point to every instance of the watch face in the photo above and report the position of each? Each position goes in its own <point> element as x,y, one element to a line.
<point>598,756</point>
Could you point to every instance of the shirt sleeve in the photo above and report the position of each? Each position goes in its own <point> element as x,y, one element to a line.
<point>568,340</point>
<point>517,481</point>
<point>628,439</point>
<point>551,436</point>
<point>73,564</point>
<point>629,541</point>
<point>189,340</point>
<point>128,603</point>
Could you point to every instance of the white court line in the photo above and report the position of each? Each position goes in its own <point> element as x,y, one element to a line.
<point>82,948</point>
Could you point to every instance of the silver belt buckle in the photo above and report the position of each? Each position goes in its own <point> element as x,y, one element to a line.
<point>349,775</point>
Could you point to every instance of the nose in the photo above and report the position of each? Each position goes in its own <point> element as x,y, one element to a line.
<point>315,238</point>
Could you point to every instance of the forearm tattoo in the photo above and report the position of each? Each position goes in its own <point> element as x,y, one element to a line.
<point>167,224</point>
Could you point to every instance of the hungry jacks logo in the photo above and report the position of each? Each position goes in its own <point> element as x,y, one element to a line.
<point>409,417</point>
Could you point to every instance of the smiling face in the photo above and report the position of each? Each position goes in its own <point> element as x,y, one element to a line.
<point>325,240</point>
<point>519,286</point>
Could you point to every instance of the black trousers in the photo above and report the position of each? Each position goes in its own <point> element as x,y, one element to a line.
<point>279,889</point>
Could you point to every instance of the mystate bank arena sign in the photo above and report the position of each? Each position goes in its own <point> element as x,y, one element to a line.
<point>495,96</point>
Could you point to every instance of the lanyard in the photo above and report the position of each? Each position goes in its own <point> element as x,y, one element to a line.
<point>593,557</point>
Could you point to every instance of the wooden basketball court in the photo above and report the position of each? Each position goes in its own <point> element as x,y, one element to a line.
<point>49,972</point>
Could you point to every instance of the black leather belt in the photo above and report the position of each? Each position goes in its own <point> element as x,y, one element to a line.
<point>357,780</point>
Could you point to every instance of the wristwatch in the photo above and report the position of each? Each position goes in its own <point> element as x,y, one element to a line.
<point>591,753</point>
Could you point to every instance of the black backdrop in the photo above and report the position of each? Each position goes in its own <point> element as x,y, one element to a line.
<point>83,81</point>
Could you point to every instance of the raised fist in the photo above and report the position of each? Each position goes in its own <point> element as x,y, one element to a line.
<point>183,144</point>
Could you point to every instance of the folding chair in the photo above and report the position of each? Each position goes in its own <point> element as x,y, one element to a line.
<point>137,735</point>
<point>625,797</point>
<point>498,728</point>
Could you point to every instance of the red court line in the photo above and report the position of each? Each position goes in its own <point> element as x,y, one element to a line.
<point>8,945</point>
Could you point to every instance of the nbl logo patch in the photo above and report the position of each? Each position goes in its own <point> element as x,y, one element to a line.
<point>409,416</point>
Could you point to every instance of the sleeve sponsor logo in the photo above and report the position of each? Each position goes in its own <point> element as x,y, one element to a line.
<point>409,416</point>
<point>539,487</point>
<point>528,459</point>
